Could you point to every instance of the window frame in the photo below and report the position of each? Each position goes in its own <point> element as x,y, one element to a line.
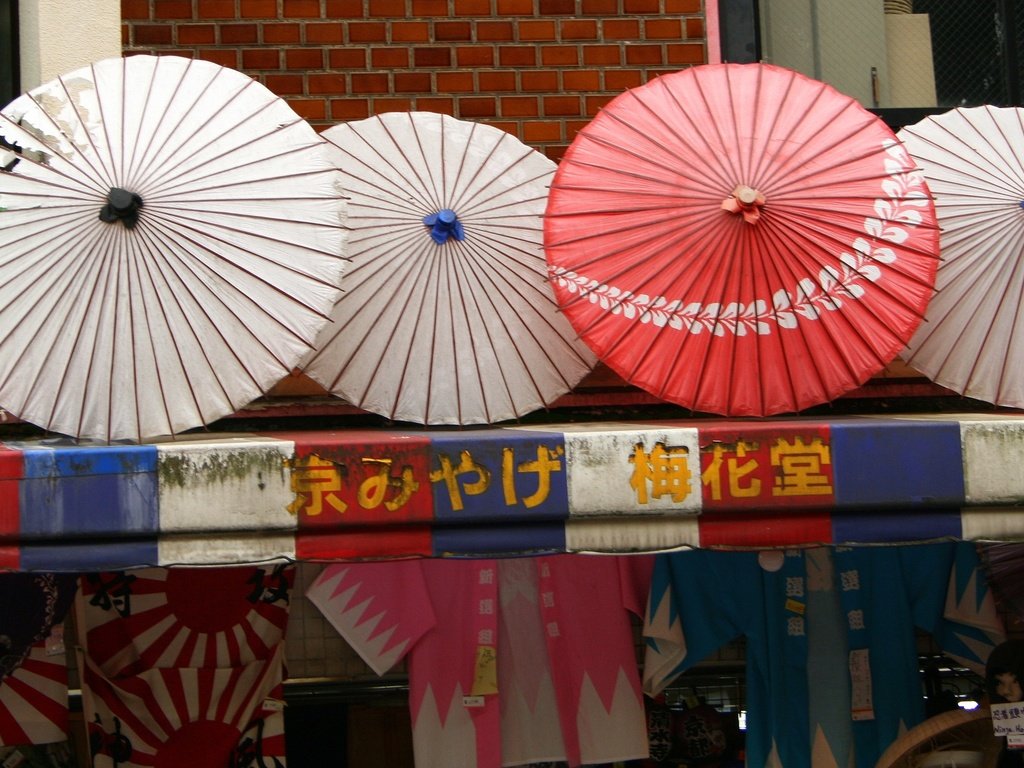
<point>10,74</point>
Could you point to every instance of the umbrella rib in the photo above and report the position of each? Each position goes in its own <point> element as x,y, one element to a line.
<point>86,183</point>
<point>402,277</point>
<point>400,190</point>
<point>186,186</point>
<point>427,163</point>
<point>129,168</point>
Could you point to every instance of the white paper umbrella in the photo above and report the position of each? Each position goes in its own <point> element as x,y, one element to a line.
<point>446,316</point>
<point>972,338</point>
<point>171,239</point>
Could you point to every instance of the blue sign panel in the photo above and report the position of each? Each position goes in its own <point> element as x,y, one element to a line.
<point>498,475</point>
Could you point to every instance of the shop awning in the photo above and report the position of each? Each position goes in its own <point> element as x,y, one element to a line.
<point>596,487</point>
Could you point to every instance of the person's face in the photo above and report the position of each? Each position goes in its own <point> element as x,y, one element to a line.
<point>1008,687</point>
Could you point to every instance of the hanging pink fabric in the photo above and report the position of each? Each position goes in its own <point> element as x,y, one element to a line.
<point>510,662</point>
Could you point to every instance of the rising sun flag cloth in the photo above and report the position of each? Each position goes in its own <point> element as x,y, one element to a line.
<point>510,662</point>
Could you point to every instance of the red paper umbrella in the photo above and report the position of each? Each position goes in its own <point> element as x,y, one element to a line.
<point>183,617</point>
<point>740,239</point>
<point>34,699</point>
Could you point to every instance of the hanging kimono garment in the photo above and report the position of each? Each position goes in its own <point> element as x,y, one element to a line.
<point>510,662</point>
<point>179,656</point>
<point>33,666</point>
<point>848,626</point>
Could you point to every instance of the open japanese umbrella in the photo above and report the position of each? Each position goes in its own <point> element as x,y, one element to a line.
<point>971,340</point>
<point>171,240</point>
<point>447,316</point>
<point>741,239</point>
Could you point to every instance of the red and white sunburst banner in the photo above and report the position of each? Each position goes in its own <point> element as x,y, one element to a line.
<point>185,665</point>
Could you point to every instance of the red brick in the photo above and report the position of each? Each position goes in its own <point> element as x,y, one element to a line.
<point>432,57</point>
<point>537,131</point>
<point>346,58</point>
<point>196,34</point>
<point>557,7</point>
<point>536,30</point>
<point>641,6</point>
<point>310,109</point>
<point>257,9</point>
<point>515,7</point>
<point>559,56</point>
<point>281,33</point>
<point>475,56</point>
<point>638,55</point>
<point>510,127</point>
<point>621,79</point>
<point>578,29</point>
<point>304,58</point>
<point>517,56</point>
<point>539,80</point>
<point>350,109</point>
<point>344,9</point>
<point>572,127</point>
<point>561,106</point>
<point>301,9</point>
<point>330,84</point>
<point>172,9</point>
<point>284,85</point>
<point>682,6</point>
<point>391,104</point>
<point>433,104</point>
<point>224,57</point>
<point>134,9</point>
<point>429,8</point>
<point>663,29</point>
<point>555,153</point>
<point>519,106</point>
<point>581,80</point>
<point>329,33</point>
<point>621,29</point>
<point>410,32</point>
<point>125,41</point>
<point>238,33</point>
<point>694,28</point>
<point>261,58</point>
<point>367,32</point>
<point>413,82</point>
<point>599,7</point>
<point>594,104</point>
<point>370,82</point>
<point>453,30</point>
<point>388,8</point>
<point>473,8</point>
<point>389,58</point>
<point>602,55</point>
<point>495,31</point>
<point>686,53</point>
<point>216,9</point>
<point>152,34</point>
<point>492,80</point>
<point>455,82</point>
<point>477,107</point>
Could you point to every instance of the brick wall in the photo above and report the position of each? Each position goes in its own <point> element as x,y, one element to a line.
<point>539,69</point>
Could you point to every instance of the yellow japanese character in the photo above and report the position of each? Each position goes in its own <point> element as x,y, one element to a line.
<point>546,463</point>
<point>735,470</point>
<point>373,489</point>
<point>800,465</point>
<point>665,469</point>
<point>448,474</point>
<point>315,481</point>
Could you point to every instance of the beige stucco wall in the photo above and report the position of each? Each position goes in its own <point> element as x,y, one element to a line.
<point>57,36</point>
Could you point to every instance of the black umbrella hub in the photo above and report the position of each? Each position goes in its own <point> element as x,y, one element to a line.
<point>122,206</point>
<point>443,225</point>
<point>746,201</point>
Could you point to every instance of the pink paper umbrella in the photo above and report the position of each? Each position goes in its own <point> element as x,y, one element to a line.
<point>741,240</point>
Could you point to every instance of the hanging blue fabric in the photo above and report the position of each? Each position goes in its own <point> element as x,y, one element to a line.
<point>444,224</point>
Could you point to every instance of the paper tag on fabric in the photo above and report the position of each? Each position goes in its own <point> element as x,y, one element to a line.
<point>473,702</point>
<point>485,676</point>
<point>861,704</point>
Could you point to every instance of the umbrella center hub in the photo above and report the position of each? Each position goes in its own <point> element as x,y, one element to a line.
<point>443,225</point>
<point>746,201</point>
<point>122,206</point>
